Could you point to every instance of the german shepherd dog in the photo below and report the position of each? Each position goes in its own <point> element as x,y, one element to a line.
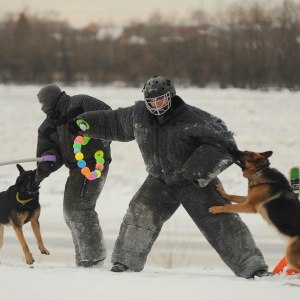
<point>19,204</point>
<point>270,194</point>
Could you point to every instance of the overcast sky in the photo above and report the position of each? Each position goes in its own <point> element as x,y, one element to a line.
<point>118,12</point>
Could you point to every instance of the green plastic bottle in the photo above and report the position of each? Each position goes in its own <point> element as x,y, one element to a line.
<point>294,174</point>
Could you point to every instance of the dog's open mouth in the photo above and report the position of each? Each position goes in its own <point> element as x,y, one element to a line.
<point>241,164</point>
<point>29,190</point>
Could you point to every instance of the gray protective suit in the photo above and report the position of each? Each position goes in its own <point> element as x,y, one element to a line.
<point>175,152</point>
<point>80,194</point>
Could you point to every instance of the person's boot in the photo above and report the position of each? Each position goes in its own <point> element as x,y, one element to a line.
<point>89,263</point>
<point>118,267</point>
<point>261,273</point>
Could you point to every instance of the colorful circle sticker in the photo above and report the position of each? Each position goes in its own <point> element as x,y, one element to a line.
<point>81,163</point>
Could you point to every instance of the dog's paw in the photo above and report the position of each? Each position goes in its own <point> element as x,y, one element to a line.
<point>220,188</point>
<point>29,259</point>
<point>215,209</point>
<point>221,191</point>
<point>44,250</point>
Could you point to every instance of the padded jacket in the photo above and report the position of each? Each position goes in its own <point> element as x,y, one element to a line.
<point>54,137</point>
<point>186,146</point>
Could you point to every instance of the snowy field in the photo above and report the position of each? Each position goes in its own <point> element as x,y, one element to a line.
<point>181,264</point>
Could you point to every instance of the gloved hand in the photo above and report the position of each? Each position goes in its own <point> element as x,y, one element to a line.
<point>46,166</point>
<point>44,169</point>
<point>77,125</point>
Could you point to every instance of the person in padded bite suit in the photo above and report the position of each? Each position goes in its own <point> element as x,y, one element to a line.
<point>80,195</point>
<point>184,149</point>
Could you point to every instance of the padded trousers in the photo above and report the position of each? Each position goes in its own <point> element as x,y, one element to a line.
<point>155,203</point>
<point>80,199</point>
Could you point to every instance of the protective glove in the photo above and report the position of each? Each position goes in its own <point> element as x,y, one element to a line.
<point>44,169</point>
<point>77,125</point>
<point>46,166</point>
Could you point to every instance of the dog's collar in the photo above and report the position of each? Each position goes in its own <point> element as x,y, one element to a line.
<point>259,173</point>
<point>23,202</point>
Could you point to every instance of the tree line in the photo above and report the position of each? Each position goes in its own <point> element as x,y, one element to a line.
<point>246,47</point>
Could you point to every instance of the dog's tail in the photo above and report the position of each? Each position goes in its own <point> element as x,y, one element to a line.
<point>293,253</point>
<point>1,235</point>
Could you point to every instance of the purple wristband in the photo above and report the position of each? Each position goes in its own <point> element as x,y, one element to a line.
<point>48,158</point>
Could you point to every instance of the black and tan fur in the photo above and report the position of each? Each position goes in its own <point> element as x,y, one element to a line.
<point>270,194</point>
<point>19,204</point>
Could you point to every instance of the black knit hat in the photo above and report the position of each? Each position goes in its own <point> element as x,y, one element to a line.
<point>50,95</point>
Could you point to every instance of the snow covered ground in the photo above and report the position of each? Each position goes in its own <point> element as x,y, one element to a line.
<point>181,264</point>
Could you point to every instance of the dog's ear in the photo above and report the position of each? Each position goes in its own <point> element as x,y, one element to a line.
<point>267,154</point>
<point>20,168</point>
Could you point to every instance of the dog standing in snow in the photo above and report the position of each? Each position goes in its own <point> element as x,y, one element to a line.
<point>270,194</point>
<point>19,204</point>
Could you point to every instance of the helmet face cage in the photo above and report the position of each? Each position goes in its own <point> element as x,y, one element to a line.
<point>156,90</point>
<point>159,108</point>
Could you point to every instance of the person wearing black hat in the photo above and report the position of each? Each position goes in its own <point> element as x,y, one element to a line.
<point>80,194</point>
<point>184,149</point>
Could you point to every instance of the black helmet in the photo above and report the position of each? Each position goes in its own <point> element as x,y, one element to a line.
<point>158,87</point>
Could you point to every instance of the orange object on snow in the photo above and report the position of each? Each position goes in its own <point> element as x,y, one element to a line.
<point>281,265</point>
